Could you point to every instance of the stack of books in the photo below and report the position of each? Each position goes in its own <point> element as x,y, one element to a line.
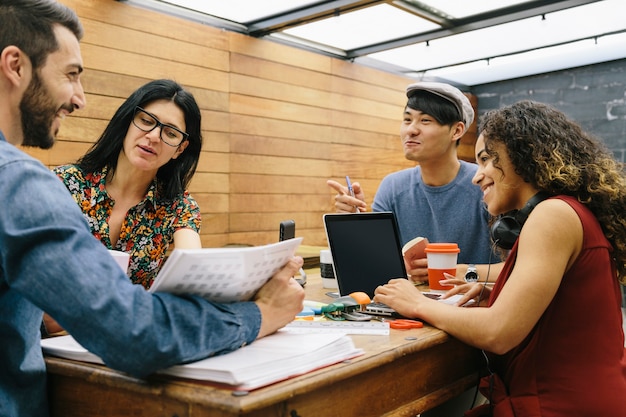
<point>271,359</point>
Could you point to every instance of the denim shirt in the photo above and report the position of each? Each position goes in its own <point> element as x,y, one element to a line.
<point>49,261</point>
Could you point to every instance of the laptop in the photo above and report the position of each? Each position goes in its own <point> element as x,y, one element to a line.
<point>366,253</point>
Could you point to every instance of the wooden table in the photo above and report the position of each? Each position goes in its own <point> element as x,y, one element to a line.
<point>396,376</point>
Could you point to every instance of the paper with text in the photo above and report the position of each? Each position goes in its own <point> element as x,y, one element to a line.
<point>223,274</point>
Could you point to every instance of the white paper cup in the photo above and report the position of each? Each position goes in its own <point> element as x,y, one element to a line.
<point>121,258</point>
<point>442,258</point>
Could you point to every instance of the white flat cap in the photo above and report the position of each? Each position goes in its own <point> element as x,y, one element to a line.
<point>450,93</point>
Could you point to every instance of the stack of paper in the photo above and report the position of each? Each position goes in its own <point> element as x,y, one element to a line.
<point>268,360</point>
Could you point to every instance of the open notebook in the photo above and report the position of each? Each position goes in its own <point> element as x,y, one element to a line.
<point>367,252</point>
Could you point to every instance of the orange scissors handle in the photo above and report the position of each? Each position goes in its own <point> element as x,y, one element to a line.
<point>405,324</point>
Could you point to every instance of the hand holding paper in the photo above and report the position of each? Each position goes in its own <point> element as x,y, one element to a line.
<point>281,298</point>
<point>224,275</point>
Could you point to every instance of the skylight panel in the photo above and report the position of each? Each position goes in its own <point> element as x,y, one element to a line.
<point>242,11</point>
<point>464,8</point>
<point>505,39</point>
<point>362,27</point>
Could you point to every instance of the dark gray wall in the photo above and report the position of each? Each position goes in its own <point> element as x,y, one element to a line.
<point>594,96</point>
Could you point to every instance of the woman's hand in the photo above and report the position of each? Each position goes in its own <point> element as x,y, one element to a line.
<point>469,290</point>
<point>401,295</point>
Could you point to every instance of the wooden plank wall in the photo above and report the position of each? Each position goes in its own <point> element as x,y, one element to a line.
<point>277,121</point>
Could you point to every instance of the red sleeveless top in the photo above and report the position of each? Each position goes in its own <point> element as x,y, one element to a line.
<point>573,362</point>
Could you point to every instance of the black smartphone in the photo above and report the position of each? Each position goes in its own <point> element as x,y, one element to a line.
<point>287,230</point>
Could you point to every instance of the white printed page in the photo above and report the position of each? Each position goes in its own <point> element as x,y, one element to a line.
<point>223,274</point>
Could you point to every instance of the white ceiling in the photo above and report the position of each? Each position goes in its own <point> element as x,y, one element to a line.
<point>464,42</point>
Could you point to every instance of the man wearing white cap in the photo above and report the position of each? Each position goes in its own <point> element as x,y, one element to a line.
<point>435,199</point>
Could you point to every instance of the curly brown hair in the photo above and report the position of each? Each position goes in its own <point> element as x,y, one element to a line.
<point>554,154</point>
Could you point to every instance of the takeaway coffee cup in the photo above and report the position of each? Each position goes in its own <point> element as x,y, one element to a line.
<point>122,259</point>
<point>326,269</point>
<point>442,257</point>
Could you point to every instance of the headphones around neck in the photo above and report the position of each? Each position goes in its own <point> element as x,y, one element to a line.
<point>506,228</point>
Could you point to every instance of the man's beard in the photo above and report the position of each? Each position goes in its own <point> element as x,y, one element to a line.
<point>38,113</point>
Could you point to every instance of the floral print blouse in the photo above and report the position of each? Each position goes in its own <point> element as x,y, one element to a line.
<point>148,229</point>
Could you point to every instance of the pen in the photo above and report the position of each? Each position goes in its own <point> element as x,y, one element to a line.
<point>351,190</point>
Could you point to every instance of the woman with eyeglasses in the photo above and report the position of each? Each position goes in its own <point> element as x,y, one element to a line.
<point>132,183</point>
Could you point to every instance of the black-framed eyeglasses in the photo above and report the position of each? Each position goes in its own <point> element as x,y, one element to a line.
<point>169,134</point>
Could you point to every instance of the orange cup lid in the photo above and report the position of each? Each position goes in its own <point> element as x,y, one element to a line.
<point>442,248</point>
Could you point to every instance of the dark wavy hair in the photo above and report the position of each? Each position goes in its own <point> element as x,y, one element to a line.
<point>29,25</point>
<point>444,112</point>
<point>173,177</point>
<point>554,154</point>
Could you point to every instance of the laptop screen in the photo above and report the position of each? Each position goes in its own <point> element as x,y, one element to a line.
<point>366,250</point>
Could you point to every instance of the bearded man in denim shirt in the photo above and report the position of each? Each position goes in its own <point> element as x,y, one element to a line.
<point>48,257</point>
